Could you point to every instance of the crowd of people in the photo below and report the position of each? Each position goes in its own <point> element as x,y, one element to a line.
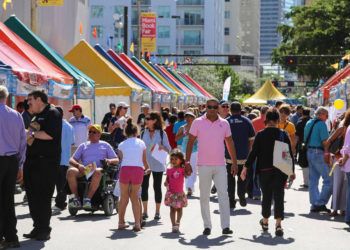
<point>219,142</point>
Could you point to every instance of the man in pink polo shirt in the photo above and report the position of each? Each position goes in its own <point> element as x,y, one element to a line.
<point>211,131</point>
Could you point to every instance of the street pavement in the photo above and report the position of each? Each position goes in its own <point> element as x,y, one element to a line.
<point>96,231</point>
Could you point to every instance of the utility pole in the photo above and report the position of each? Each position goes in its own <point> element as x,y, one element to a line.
<point>126,26</point>
<point>33,16</point>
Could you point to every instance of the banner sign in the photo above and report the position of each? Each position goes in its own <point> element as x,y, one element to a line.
<point>23,88</point>
<point>156,98</point>
<point>226,89</point>
<point>148,31</point>
<point>60,91</point>
<point>47,3</point>
<point>85,90</point>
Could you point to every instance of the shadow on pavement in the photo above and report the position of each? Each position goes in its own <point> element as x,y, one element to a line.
<point>153,223</point>
<point>122,234</point>
<point>192,197</point>
<point>322,216</point>
<point>267,239</point>
<point>32,244</point>
<point>85,217</point>
<point>171,235</point>
<point>253,202</point>
<point>23,216</point>
<point>288,215</point>
<point>203,242</point>
<point>342,228</point>
<point>235,212</point>
<point>214,199</point>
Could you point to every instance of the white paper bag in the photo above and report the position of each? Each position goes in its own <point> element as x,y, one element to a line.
<point>159,155</point>
<point>281,158</point>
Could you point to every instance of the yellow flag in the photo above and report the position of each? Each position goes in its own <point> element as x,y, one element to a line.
<point>132,47</point>
<point>171,63</point>
<point>4,4</point>
<point>335,66</point>
<point>166,61</point>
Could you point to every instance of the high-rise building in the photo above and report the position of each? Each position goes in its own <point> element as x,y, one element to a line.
<point>242,31</point>
<point>183,26</point>
<point>58,26</point>
<point>272,14</point>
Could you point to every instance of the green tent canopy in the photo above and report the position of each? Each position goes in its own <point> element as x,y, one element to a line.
<point>27,35</point>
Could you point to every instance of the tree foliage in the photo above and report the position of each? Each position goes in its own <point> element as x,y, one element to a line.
<point>212,79</point>
<point>319,29</point>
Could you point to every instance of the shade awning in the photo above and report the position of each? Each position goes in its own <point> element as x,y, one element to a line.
<point>265,93</point>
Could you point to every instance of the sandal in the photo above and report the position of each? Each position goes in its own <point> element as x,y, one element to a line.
<point>264,226</point>
<point>279,231</point>
<point>175,229</point>
<point>122,226</point>
<point>189,192</point>
<point>137,227</point>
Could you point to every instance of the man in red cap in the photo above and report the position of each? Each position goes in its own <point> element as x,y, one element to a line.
<point>80,125</point>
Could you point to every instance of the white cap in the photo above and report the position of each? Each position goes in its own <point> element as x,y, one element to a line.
<point>122,104</point>
<point>145,105</point>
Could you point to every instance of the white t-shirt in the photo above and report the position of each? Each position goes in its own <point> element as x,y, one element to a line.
<point>132,149</point>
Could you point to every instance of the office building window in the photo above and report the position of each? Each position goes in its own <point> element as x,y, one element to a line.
<point>192,52</point>
<point>163,11</point>
<point>99,30</point>
<point>227,14</point>
<point>227,0</point>
<point>227,47</point>
<point>163,50</point>
<point>119,10</point>
<point>227,31</point>
<point>192,37</point>
<point>96,11</point>
<point>163,31</point>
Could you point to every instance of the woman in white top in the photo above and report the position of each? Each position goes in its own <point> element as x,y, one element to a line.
<point>132,153</point>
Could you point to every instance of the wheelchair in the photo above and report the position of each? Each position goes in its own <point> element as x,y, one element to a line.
<point>103,199</point>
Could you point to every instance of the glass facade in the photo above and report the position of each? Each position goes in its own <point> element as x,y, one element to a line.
<point>192,37</point>
<point>163,11</point>
<point>163,50</point>
<point>163,31</point>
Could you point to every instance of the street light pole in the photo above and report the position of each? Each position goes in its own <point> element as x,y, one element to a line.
<point>139,49</point>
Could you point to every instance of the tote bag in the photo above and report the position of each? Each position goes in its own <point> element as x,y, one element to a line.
<point>281,156</point>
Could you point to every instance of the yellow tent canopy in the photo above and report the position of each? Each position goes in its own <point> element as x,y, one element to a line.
<point>109,80</point>
<point>265,93</point>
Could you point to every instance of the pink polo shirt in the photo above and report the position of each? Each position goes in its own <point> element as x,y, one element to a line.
<point>211,140</point>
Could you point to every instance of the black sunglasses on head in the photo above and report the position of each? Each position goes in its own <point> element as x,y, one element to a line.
<point>212,107</point>
<point>225,106</point>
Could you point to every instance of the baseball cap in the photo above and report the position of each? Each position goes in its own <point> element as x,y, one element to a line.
<point>123,104</point>
<point>145,105</point>
<point>76,106</point>
<point>96,127</point>
<point>190,113</point>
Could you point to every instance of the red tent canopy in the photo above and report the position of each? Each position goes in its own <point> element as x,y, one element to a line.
<point>335,79</point>
<point>196,85</point>
<point>21,67</point>
<point>32,55</point>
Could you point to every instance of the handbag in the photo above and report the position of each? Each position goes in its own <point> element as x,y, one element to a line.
<point>281,156</point>
<point>302,158</point>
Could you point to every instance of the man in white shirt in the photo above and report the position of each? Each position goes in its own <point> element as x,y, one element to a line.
<point>80,125</point>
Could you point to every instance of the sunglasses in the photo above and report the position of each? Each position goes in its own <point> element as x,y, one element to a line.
<point>125,108</point>
<point>212,107</point>
<point>225,106</point>
<point>93,132</point>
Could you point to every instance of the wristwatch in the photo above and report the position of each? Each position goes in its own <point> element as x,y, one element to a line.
<point>32,134</point>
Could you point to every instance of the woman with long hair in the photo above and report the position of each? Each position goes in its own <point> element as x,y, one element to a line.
<point>132,154</point>
<point>118,123</point>
<point>272,180</point>
<point>152,135</point>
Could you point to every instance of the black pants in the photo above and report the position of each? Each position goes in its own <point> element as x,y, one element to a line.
<point>8,176</point>
<point>231,184</point>
<point>61,181</point>
<point>40,175</point>
<point>157,186</point>
<point>272,185</point>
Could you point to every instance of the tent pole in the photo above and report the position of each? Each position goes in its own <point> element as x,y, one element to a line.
<point>33,15</point>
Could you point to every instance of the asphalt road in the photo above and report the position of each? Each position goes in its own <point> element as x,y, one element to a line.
<point>96,231</point>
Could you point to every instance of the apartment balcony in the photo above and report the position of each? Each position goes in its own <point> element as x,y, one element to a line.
<point>189,22</point>
<point>190,42</point>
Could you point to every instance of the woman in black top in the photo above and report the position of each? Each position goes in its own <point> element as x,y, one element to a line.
<point>272,180</point>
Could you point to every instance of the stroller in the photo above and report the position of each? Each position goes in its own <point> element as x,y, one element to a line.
<point>103,198</point>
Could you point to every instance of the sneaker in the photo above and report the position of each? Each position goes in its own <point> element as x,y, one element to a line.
<point>243,202</point>
<point>87,203</point>
<point>74,203</point>
<point>9,244</point>
<point>55,210</point>
<point>175,229</point>
<point>279,231</point>
<point>213,190</point>
<point>207,231</point>
<point>323,208</point>
<point>157,216</point>
<point>227,231</point>
<point>144,216</point>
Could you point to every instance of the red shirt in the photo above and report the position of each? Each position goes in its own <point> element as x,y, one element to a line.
<point>171,136</point>
<point>258,124</point>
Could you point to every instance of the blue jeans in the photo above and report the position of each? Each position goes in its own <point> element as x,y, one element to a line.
<point>318,168</point>
<point>347,212</point>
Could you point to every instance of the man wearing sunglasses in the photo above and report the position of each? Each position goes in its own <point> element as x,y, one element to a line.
<point>212,131</point>
<point>86,156</point>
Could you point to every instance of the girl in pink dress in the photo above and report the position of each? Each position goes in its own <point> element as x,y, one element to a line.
<point>175,197</point>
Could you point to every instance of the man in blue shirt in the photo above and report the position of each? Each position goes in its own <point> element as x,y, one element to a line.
<point>181,121</point>
<point>67,140</point>
<point>316,156</point>
<point>243,137</point>
<point>298,114</point>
